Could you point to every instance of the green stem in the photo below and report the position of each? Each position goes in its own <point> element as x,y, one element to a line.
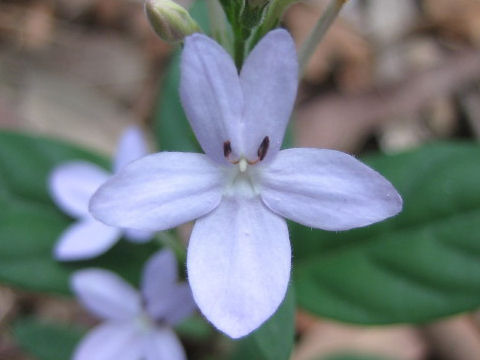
<point>217,21</point>
<point>166,239</point>
<point>239,49</point>
<point>319,32</point>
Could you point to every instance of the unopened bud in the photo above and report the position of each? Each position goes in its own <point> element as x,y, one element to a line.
<point>170,21</point>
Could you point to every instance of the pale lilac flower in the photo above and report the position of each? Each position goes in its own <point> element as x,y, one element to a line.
<point>239,254</point>
<point>137,325</point>
<point>71,186</point>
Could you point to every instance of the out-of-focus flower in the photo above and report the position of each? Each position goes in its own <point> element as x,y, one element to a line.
<point>170,21</point>
<point>239,252</point>
<point>73,183</point>
<point>137,325</point>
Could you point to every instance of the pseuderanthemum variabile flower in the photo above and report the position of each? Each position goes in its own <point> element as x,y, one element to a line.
<point>137,325</point>
<point>71,186</point>
<point>239,254</point>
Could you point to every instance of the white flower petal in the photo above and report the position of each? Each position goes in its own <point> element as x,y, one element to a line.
<point>163,344</point>
<point>132,146</point>
<point>160,191</point>
<point>176,307</point>
<point>238,265</point>
<point>211,95</point>
<point>105,294</point>
<point>72,184</point>
<point>138,236</point>
<point>159,275</point>
<point>164,298</point>
<point>111,341</point>
<point>85,239</point>
<point>183,306</point>
<point>269,81</point>
<point>327,189</point>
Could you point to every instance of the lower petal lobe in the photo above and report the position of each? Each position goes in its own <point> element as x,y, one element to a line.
<point>238,264</point>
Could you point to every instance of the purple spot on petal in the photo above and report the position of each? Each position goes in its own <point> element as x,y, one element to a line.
<point>263,148</point>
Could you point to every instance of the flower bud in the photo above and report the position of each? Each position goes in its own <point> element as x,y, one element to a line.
<point>170,21</point>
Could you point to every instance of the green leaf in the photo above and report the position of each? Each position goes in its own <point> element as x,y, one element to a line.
<point>416,267</point>
<point>47,341</point>
<point>195,328</point>
<point>273,14</point>
<point>274,339</point>
<point>232,9</point>
<point>252,15</point>
<point>30,223</point>
<point>173,132</point>
<point>199,12</point>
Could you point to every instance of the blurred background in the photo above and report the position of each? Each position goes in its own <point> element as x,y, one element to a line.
<point>390,75</point>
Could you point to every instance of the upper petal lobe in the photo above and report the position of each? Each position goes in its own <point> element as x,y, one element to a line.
<point>269,80</point>
<point>132,146</point>
<point>159,275</point>
<point>175,306</point>
<point>164,298</point>
<point>211,96</point>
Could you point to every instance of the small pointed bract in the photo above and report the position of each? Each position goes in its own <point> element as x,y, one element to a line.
<point>131,330</point>
<point>71,186</point>
<point>244,186</point>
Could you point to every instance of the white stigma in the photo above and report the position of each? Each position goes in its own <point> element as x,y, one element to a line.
<point>242,165</point>
<point>241,180</point>
<point>143,322</point>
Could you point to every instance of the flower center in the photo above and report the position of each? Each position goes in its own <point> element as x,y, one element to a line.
<point>261,153</point>
<point>143,322</point>
<point>243,165</point>
<point>242,177</point>
<point>242,180</point>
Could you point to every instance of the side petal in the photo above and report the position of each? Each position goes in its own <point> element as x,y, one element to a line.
<point>111,341</point>
<point>159,192</point>
<point>269,80</point>
<point>164,298</point>
<point>159,275</point>
<point>132,146</point>
<point>211,95</point>
<point>327,189</point>
<point>163,344</point>
<point>85,239</point>
<point>72,184</point>
<point>238,265</point>
<point>105,294</point>
<point>176,307</point>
